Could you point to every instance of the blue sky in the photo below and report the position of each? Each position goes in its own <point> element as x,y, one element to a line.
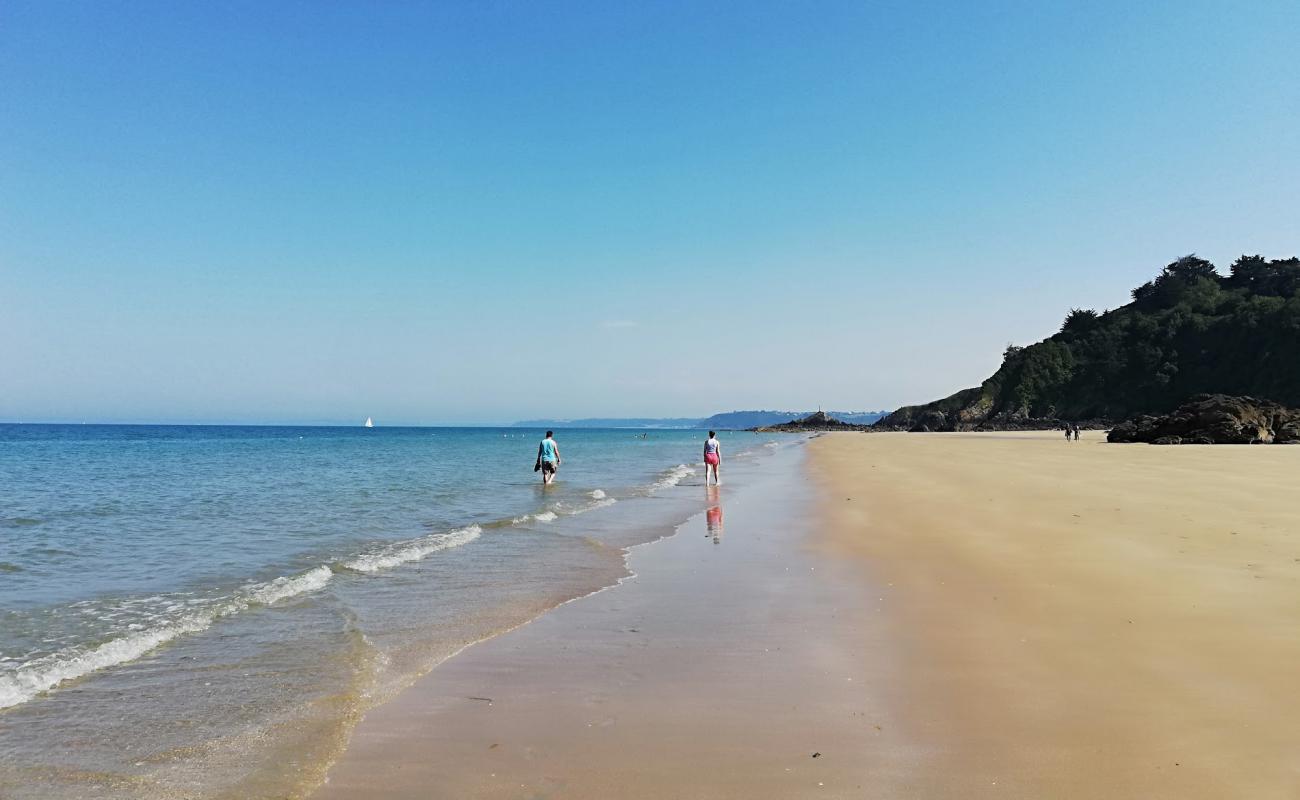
<point>476,212</point>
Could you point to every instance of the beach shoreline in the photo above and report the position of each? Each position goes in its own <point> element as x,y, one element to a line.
<point>237,666</point>
<point>899,615</point>
<point>743,666</point>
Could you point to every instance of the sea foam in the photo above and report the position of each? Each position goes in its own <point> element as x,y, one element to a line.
<point>673,476</point>
<point>291,586</point>
<point>394,555</point>
<point>47,672</point>
<point>599,502</point>
<point>183,617</point>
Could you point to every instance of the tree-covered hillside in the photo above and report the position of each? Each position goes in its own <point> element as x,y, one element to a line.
<point>1188,331</point>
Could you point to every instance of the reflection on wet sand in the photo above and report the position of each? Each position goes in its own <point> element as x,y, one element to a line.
<point>713,517</point>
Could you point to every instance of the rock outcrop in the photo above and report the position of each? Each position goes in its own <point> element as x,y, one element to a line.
<point>973,410</point>
<point>970,410</point>
<point>816,421</point>
<point>1215,419</point>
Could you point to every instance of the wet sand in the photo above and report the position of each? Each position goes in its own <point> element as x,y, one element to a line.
<point>1083,620</point>
<point>933,616</point>
<point>745,667</point>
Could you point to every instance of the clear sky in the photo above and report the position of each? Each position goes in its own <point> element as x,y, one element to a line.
<point>476,212</point>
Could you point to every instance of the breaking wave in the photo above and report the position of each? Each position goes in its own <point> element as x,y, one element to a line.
<point>47,672</point>
<point>178,618</point>
<point>673,477</point>
<point>393,555</point>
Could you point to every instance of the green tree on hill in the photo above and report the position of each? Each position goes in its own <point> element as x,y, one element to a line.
<point>1189,330</point>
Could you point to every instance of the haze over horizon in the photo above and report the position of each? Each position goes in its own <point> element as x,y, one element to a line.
<point>457,214</point>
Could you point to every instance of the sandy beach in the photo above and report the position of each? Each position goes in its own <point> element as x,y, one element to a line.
<point>901,615</point>
<point>1082,620</point>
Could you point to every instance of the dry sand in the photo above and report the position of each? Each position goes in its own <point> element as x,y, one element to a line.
<point>935,616</point>
<point>1083,620</point>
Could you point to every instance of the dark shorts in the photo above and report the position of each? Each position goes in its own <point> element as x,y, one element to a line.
<point>548,466</point>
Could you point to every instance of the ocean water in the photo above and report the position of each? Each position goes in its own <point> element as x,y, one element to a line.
<point>204,611</point>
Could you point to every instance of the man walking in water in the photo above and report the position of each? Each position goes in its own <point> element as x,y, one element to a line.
<point>712,458</point>
<point>548,458</point>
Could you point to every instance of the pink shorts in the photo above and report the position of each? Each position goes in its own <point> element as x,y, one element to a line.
<point>711,458</point>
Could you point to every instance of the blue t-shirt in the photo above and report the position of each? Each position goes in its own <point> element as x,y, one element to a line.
<point>548,451</point>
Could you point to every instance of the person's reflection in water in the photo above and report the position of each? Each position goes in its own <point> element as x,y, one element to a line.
<point>713,517</point>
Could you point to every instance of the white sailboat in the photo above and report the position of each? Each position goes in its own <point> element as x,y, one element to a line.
<point>370,423</point>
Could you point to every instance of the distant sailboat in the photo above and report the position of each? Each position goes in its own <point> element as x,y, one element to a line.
<point>370,423</point>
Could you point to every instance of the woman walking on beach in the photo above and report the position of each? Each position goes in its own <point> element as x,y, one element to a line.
<point>548,458</point>
<point>712,458</point>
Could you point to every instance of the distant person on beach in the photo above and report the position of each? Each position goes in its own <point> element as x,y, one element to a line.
<point>1076,433</point>
<point>1067,431</point>
<point>548,458</point>
<point>712,458</point>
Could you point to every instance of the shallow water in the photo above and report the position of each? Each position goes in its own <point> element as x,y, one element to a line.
<point>204,611</point>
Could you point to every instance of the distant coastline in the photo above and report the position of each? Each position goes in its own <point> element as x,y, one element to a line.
<point>730,420</point>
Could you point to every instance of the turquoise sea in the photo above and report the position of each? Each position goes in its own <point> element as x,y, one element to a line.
<point>203,611</point>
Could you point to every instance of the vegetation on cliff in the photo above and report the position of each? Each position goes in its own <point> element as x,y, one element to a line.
<point>1189,331</point>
